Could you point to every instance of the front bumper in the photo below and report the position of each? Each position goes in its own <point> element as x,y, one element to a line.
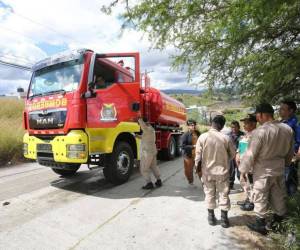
<point>70,148</point>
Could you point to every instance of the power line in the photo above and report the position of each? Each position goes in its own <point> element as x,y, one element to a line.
<point>15,65</point>
<point>43,25</point>
<point>16,32</point>
<point>21,34</point>
<point>13,57</point>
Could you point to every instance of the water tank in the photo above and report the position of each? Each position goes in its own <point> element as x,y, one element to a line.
<point>162,109</point>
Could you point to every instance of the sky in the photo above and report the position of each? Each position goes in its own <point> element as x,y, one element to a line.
<point>32,30</point>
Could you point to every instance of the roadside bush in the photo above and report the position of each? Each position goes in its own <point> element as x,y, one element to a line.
<point>234,114</point>
<point>290,238</point>
<point>292,224</point>
<point>11,131</point>
<point>231,111</point>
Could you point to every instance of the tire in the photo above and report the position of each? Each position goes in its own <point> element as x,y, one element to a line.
<point>178,146</point>
<point>170,152</point>
<point>119,164</point>
<point>70,170</point>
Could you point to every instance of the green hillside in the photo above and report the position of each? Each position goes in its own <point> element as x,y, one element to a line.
<point>221,102</point>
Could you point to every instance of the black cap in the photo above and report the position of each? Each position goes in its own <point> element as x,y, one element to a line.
<point>249,118</point>
<point>264,108</point>
<point>191,122</point>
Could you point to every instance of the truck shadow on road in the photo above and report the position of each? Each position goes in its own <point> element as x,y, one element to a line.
<point>93,183</point>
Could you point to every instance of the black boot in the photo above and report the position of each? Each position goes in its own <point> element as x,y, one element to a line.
<point>211,217</point>
<point>259,226</point>
<point>158,183</point>
<point>224,219</point>
<point>275,224</point>
<point>249,206</point>
<point>149,185</point>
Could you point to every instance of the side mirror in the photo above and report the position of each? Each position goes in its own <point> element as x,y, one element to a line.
<point>20,90</point>
<point>90,93</point>
<point>91,85</point>
<point>21,93</point>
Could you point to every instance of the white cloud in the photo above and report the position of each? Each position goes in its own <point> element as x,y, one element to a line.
<point>34,26</point>
<point>10,82</point>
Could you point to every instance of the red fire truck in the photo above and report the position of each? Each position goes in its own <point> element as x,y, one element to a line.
<point>72,119</point>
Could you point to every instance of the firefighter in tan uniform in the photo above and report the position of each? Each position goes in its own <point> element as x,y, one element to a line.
<point>270,150</point>
<point>214,150</point>
<point>148,154</point>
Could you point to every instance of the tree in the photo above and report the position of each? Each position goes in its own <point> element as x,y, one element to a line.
<point>252,45</point>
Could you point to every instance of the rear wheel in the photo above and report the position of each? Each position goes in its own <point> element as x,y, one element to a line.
<point>170,152</point>
<point>119,164</point>
<point>66,170</point>
<point>178,146</point>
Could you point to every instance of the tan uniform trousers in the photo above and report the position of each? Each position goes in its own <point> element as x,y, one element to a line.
<point>247,187</point>
<point>269,190</point>
<point>217,189</point>
<point>148,163</point>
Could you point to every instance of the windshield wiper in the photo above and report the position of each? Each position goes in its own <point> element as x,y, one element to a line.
<point>40,94</point>
<point>62,91</point>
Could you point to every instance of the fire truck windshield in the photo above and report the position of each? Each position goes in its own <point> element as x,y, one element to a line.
<point>61,77</point>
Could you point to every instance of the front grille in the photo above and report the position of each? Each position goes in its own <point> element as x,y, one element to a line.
<point>42,147</point>
<point>47,119</point>
<point>45,156</point>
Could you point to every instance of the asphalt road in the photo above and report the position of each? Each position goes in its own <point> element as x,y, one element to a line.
<point>40,210</point>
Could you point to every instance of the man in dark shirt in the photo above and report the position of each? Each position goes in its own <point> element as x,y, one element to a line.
<point>235,135</point>
<point>189,140</point>
<point>287,113</point>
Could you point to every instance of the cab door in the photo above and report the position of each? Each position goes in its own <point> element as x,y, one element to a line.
<point>119,100</point>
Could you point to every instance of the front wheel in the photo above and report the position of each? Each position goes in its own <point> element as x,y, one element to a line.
<point>66,170</point>
<point>119,164</point>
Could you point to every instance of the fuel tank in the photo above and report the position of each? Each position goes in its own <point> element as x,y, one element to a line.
<point>162,109</point>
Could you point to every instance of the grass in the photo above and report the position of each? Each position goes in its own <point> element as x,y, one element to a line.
<point>11,131</point>
<point>290,238</point>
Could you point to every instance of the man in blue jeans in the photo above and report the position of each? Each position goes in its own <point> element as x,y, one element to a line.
<point>287,113</point>
<point>234,135</point>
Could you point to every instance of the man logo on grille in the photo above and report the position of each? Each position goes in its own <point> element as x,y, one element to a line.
<point>45,121</point>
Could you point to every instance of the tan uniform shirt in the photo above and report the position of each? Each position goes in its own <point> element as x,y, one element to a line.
<point>270,150</point>
<point>214,150</point>
<point>148,138</point>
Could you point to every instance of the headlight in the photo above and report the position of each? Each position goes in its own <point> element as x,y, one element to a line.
<point>76,147</point>
<point>76,151</point>
<point>76,155</point>
<point>25,148</point>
